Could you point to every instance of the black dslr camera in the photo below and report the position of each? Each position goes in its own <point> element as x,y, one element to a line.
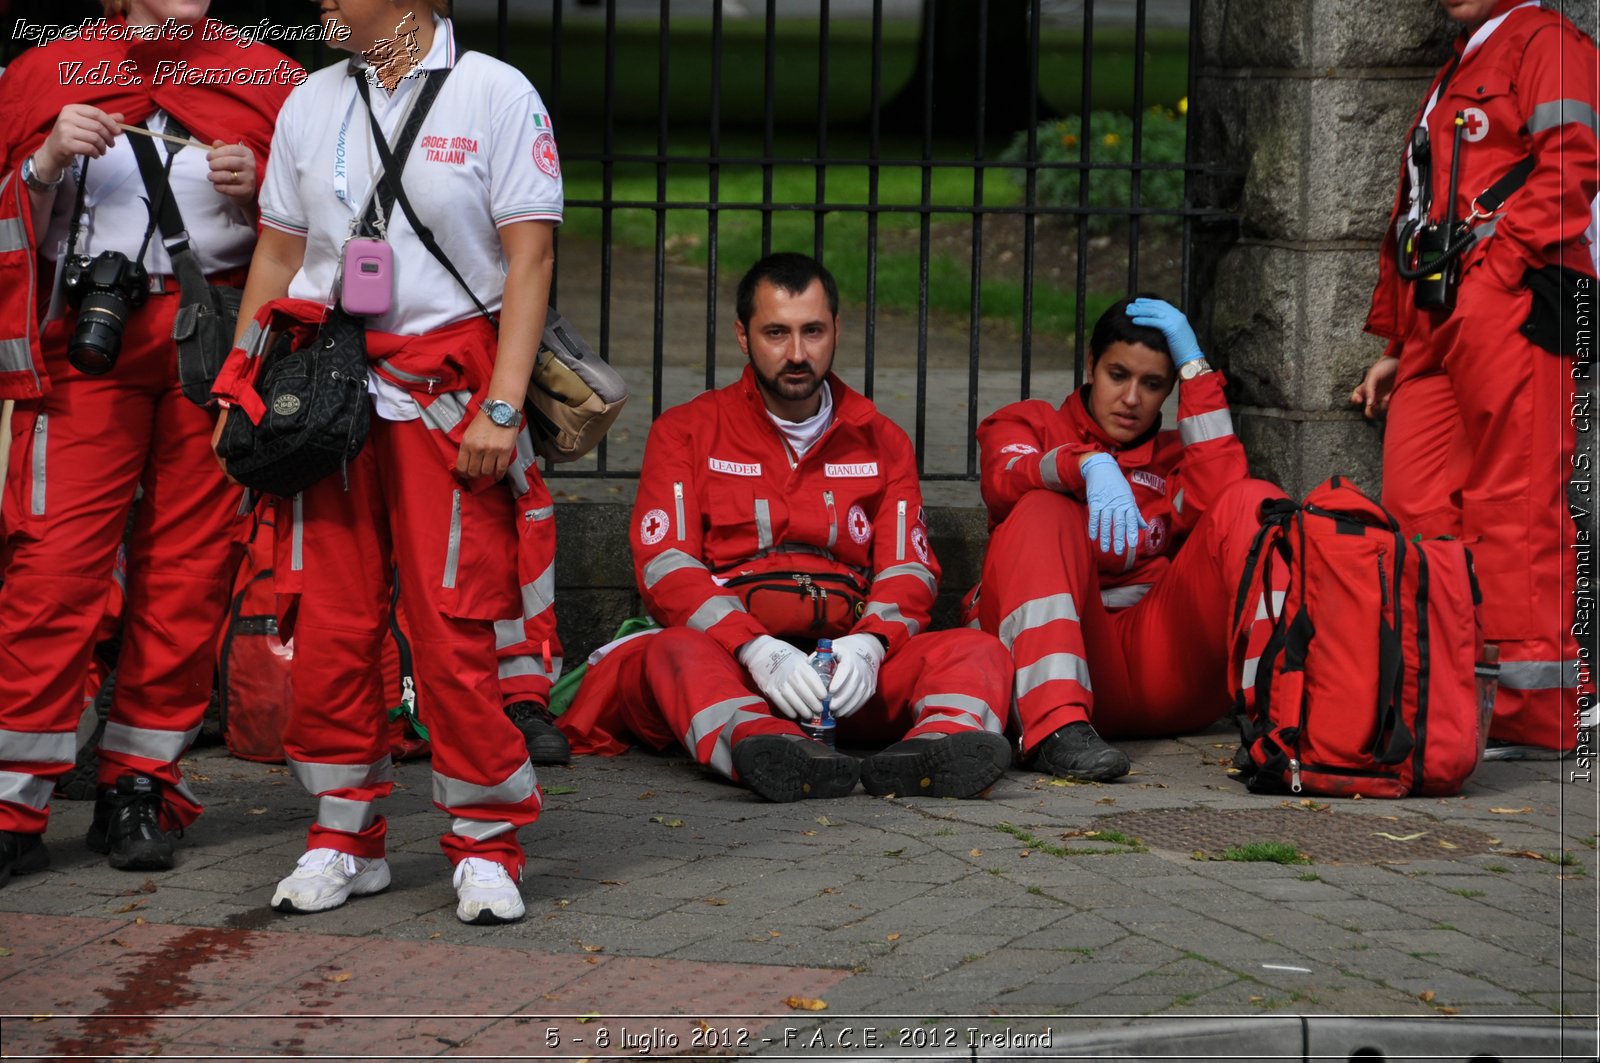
<point>104,290</point>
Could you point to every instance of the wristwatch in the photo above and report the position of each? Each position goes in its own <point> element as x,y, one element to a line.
<point>1193,368</point>
<point>503,413</point>
<point>31,178</point>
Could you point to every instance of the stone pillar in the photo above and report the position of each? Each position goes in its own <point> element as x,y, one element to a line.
<point>1311,100</point>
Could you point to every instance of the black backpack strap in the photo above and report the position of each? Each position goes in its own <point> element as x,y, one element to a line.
<point>391,187</point>
<point>394,160</point>
<point>164,209</point>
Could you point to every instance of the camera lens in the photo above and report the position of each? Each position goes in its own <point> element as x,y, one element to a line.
<point>98,337</point>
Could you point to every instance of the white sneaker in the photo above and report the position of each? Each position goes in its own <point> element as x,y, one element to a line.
<point>487,894</point>
<point>326,878</point>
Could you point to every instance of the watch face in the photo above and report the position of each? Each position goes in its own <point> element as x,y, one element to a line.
<point>501,413</point>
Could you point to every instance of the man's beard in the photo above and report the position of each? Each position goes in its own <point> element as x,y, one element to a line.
<point>787,388</point>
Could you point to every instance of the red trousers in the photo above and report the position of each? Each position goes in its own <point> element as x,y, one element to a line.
<point>681,687</point>
<point>1158,667</point>
<point>453,550</point>
<point>77,457</point>
<point>1479,445</point>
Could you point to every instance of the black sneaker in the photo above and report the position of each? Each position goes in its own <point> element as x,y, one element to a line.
<point>962,764</point>
<point>127,825</point>
<point>21,854</point>
<point>790,767</point>
<point>1076,752</point>
<point>546,745</point>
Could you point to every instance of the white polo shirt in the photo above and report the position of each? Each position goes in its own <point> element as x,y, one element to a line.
<point>484,157</point>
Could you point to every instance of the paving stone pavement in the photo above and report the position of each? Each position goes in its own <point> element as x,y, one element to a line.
<point>654,889</point>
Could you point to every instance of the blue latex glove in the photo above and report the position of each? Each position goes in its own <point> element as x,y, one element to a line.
<point>1114,516</point>
<point>1156,314</point>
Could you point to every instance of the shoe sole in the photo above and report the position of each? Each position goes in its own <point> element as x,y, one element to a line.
<point>1114,768</point>
<point>287,906</point>
<point>488,918</point>
<point>1525,753</point>
<point>781,771</point>
<point>546,752</point>
<point>26,864</point>
<point>146,857</point>
<point>964,764</point>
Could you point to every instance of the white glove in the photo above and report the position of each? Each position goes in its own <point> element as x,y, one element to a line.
<point>784,676</point>
<point>855,672</point>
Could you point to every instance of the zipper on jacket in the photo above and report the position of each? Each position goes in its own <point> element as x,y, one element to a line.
<point>833,519</point>
<point>452,557</point>
<point>297,534</point>
<point>677,504</point>
<point>1294,774</point>
<point>41,433</point>
<point>900,531</point>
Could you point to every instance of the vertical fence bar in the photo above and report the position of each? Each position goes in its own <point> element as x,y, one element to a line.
<point>1188,156</point>
<point>1137,176</point>
<point>502,27</point>
<point>658,336</point>
<point>552,103</point>
<point>874,150</point>
<point>820,218</point>
<point>607,179</point>
<point>713,186</point>
<point>1085,137</point>
<point>925,237</point>
<point>975,312</point>
<point>1030,199</point>
<point>769,92</point>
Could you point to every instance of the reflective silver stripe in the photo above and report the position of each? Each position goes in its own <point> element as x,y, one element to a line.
<point>480,830</point>
<point>713,611</point>
<point>1046,669</point>
<point>1563,112</point>
<point>182,790</point>
<point>163,746</point>
<point>508,633</point>
<point>320,778</point>
<point>1049,473</point>
<point>1177,502</point>
<point>21,788</point>
<point>32,747</point>
<point>518,470</point>
<point>41,437</point>
<point>677,505</point>
<point>911,568</point>
<point>1277,606</point>
<point>297,536</point>
<point>1539,675</point>
<point>965,704</point>
<point>1203,427</point>
<point>1013,462</point>
<point>514,789</point>
<point>891,612</point>
<point>12,236</point>
<point>1124,596</point>
<point>542,513</point>
<point>446,411</point>
<point>1247,674</point>
<point>763,524</point>
<point>833,519</point>
<point>251,340</point>
<point>452,553</point>
<point>530,664</point>
<point>400,374</point>
<point>1486,230</point>
<point>16,355</point>
<point>900,531</point>
<point>666,563</point>
<point>1037,613</point>
<point>1129,559</point>
<point>541,593</point>
<point>720,719</point>
<point>341,813</point>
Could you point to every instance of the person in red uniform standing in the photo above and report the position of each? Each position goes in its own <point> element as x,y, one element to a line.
<point>1480,436</point>
<point>788,470</point>
<point>85,442</point>
<point>1116,548</point>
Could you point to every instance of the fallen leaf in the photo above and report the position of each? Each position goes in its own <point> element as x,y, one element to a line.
<point>975,852</point>
<point>1257,1000</point>
<point>277,771</point>
<point>1443,1010</point>
<point>196,776</point>
<point>1106,801</point>
<point>665,822</point>
<point>1447,845</point>
<point>647,795</point>
<point>893,852</point>
<point>557,791</point>
<point>588,1016</point>
<point>774,933</point>
<point>674,823</point>
<point>1510,811</point>
<point>1025,854</point>
<point>342,976</point>
<point>562,903</point>
<point>825,821</point>
<point>809,833</point>
<point>1398,837</point>
<point>435,934</point>
<point>255,812</point>
<point>43,1018</point>
<point>5,952</point>
<point>120,943</point>
<point>149,886</point>
<point>128,907</point>
<point>805,1004</point>
<point>591,959</point>
<point>1062,782</point>
<point>716,902</point>
<point>1426,996</point>
<point>1198,854</point>
<point>138,920</point>
<point>892,937</point>
<point>591,948</point>
<point>826,889</point>
<point>1356,797</point>
<point>612,882</point>
<point>1526,854</point>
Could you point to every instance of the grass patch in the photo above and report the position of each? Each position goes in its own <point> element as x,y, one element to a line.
<point>1266,853</point>
<point>1498,869</point>
<point>1037,891</point>
<point>1309,876</point>
<point>1563,859</point>
<point>1466,892</point>
<point>1119,843</point>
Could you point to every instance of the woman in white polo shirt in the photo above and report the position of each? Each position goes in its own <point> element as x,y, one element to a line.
<point>424,503</point>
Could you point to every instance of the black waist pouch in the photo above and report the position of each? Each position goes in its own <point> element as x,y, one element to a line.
<point>1561,319</point>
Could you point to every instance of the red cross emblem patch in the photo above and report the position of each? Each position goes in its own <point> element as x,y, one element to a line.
<point>653,528</point>
<point>859,526</point>
<point>544,154</point>
<point>1474,124</point>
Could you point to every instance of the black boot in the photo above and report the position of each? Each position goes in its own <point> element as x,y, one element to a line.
<point>791,767</point>
<point>127,826</point>
<point>1076,752</point>
<point>21,854</point>
<point>961,764</point>
<point>546,745</point>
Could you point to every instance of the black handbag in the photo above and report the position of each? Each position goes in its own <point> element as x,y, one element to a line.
<point>317,410</point>
<point>1561,314</point>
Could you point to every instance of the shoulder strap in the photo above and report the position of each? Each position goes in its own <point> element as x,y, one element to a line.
<point>391,188</point>
<point>394,160</point>
<point>164,210</point>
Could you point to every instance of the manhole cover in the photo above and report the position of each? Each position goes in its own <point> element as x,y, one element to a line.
<point>1325,836</point>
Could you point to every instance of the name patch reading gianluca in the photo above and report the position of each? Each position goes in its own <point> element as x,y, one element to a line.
<point>735,468</point>
<point>862,471</point>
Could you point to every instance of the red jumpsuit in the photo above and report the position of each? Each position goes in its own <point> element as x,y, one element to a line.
<point>1137,644</point>
<point>1480,439</point>
<point>720,493</point>
<point>83,445</point>
<point>474,562</point>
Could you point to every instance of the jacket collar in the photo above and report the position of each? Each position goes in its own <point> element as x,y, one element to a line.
<point>849,406</point>
<point>1076,410</point>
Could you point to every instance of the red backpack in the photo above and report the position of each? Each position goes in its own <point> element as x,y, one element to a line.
<point>1365,684</point>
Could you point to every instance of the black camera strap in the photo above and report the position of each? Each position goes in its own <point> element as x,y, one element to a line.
<point>390,188</point>
<point>164,211</point>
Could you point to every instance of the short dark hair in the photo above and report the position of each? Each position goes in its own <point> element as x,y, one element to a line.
<point>789,270</point>
<point>1115,326</point>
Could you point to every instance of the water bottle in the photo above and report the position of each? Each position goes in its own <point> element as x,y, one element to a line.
<point>821,727</point>
<point>1487,672</point>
